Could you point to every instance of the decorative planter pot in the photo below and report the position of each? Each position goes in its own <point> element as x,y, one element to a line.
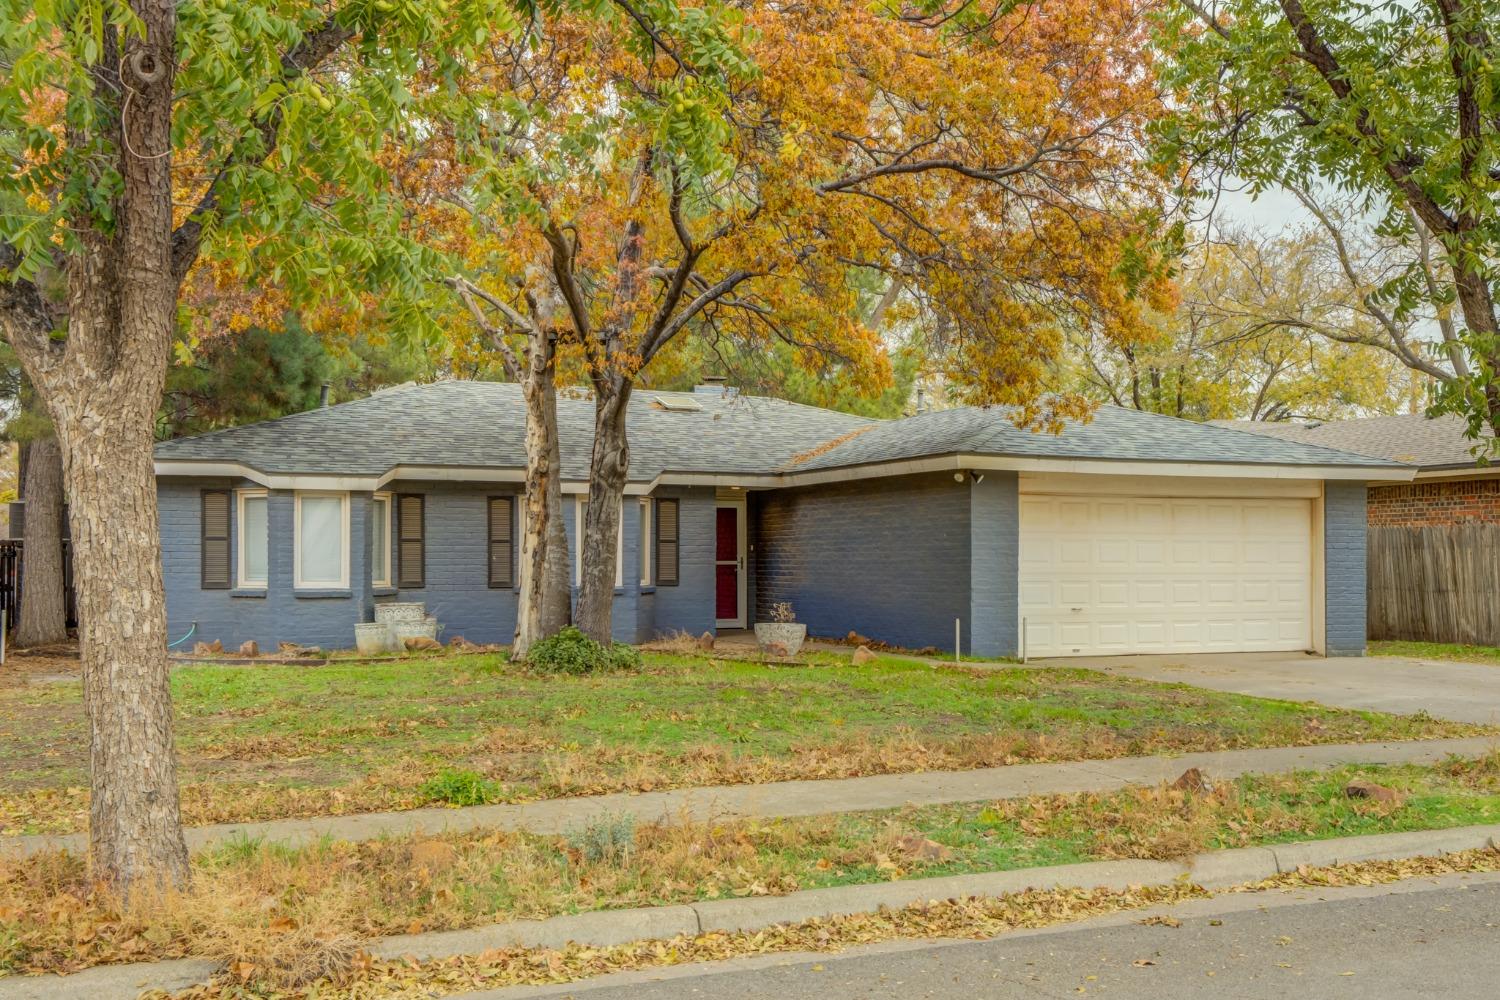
<point>780,638</point>
<point>425,628</point>
<point>390,614</point>
<point>373,637</point>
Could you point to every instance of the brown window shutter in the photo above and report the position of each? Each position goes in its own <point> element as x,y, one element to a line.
<point>411,540</point>
<point>215,525</point>
<point>666,543</point>
<point>502,542</point>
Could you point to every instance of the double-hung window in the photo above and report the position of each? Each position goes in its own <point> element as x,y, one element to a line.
<point>647,515</point>
<point>321,541</point>
<point>380,536</point>
<point>254,540</point>
<point>578,532</point>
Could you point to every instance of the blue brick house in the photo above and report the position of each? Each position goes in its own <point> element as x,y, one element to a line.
<point>1131,533</point>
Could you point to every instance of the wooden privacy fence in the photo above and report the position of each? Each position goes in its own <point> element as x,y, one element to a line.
<point>1436,584</point>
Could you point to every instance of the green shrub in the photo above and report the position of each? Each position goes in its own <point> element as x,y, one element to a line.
<point>608,838</point>
<point>572,652</point>
<point>459,788</point>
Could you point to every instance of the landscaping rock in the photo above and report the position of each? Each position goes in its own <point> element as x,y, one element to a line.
<point>855,639</point>
<point>1370,790</point>
<point>862,655</point>
<point>208,648</point>
<point>249,648</point>
<point>1192,780</point>
<point>706,642</point>
<point>462,645</point>
<point>417,642</point>
<point>920,848</point>
<point>433,855</point>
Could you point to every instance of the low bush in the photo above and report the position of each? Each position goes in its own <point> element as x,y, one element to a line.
<point>572,652</point>
<point>606,839</point>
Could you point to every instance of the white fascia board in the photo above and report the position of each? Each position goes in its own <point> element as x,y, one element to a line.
<point>906,467</point>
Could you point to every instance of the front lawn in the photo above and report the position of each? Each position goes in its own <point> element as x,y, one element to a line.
<point>267,741</point>
<point>267,907</point>
<point>1458,651</point>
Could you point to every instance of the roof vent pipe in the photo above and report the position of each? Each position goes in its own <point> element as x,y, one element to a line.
<point>323,394</point>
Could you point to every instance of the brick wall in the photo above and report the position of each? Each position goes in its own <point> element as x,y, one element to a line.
<point>457,572</point>
<point>888,558</point>
<point>1433,504</point>
<point>1344,519</point>
<point>994,539</point>
<point>275,614</point>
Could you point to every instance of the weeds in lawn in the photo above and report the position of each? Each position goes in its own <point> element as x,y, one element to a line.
<point>457,787</point>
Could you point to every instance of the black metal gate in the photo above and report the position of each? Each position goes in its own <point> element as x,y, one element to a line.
<point>13,579</point>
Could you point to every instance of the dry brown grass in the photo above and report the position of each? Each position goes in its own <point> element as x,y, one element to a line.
<point>369,979</point>
<point>283,911</point>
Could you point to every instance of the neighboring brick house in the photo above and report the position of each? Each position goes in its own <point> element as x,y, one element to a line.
<point>1450,486</point>
<point>1131,533</point>
<point>1428,582</point>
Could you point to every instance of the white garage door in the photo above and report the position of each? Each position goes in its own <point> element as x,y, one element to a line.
<point>1102,575</point>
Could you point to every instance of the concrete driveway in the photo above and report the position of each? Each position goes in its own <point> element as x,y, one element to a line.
<point>1466,692</point>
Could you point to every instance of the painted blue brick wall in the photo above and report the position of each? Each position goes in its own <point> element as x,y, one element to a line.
<point>1344,520</point>
<point>689,606</point>
<point>457,587</point>
<point>994,540</point>
<point>886,558</point>
<point>277,614</point>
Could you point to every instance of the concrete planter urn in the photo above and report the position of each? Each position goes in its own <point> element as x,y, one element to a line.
<point>421,628</point>
<point>390,614</point>
<point>780,638</point>
<point>371,638</point>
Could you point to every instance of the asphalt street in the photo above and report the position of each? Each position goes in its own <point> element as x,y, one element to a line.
<point>1421,938</point>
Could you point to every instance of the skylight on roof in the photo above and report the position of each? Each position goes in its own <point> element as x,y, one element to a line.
<point>682,404</point>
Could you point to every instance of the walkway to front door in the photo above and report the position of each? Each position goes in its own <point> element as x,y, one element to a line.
<point>729,564</point>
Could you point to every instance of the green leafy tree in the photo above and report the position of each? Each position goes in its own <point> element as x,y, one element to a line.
<point>1397,105</point>
<point>146,139</point>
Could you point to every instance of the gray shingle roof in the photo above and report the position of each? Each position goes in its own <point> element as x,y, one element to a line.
<point>480,425</point>
<point>1431,443</point>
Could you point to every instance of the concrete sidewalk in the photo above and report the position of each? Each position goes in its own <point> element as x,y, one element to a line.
<point>812,798</point>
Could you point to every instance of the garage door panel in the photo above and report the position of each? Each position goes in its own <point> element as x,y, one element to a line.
<point>1149,574</point>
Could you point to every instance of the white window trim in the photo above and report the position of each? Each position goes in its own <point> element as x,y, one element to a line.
<point>343,581</point>
<point>385,581</point>
<point>647,514</point>
<point>579,503</point>
<point>240,496</point>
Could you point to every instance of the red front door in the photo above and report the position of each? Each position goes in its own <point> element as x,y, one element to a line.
<point>728,567</point>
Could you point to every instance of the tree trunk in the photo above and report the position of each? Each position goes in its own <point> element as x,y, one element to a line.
<point>609,465</point>
<point>43,604</point>
<point>536,515</point>
<point>135,827</point>
<point>101,385</point>
<point>557,590</point>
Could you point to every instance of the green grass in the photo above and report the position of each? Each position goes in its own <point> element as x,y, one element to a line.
<point>1437,651</point>
<point>263,741</point>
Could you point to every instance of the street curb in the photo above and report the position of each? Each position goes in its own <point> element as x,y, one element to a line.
<point>606,928</point>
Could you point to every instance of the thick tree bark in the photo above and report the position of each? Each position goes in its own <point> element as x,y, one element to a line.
<point>557,589</point>
<point>43,617</point>
<point>544,542</point>
<point>609,466</point>
<point>101,386</point>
